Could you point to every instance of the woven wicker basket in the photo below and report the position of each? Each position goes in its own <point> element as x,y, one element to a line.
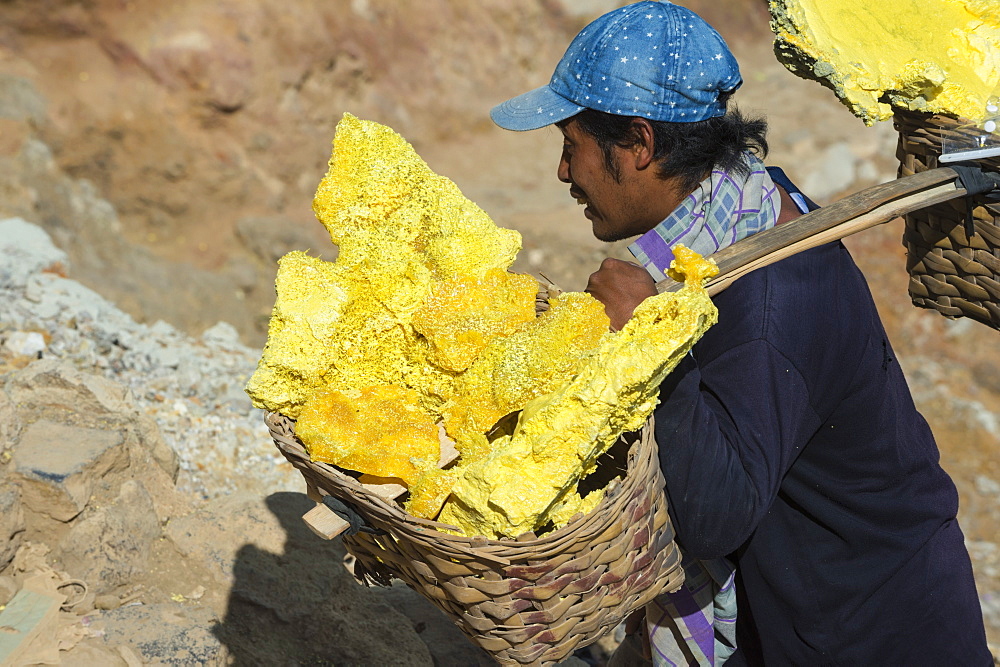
<point>530,601</point>
<point>954,273</point>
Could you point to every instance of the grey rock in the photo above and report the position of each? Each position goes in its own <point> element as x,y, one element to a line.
<point>24,343</point>
<point>26,250</point>
<point>56,390</point>
<point>223,335</point>
<point>987,486</point>
<point>152,441</point>
<point>192,387</point>
<point>834,171</point>
<point>447,644</point>
<point>271,237</point>
<point>110,547</point>
<point>19,100</point>
<point>57,466</point>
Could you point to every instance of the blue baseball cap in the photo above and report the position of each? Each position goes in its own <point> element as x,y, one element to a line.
<point>651,59</point>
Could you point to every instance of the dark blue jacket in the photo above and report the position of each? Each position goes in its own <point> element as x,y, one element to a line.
<point>790,442</point>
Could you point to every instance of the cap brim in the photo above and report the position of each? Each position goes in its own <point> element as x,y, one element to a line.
<point>534,109</point>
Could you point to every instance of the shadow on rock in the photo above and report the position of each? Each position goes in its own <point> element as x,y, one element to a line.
<point>303,607</point>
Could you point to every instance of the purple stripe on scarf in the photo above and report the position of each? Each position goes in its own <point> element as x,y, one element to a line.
<point>656,249</point>
<point>694,618</point>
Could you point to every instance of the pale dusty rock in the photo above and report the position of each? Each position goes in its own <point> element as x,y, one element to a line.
<point>50,384</point>
<point>58,466</point>
<point>291,601</point>
<point>11,520</point>
<point>163,634</point>
<point>192,387</point>
<point>107,602</point>
<point>63,398</point>
<point>8,589</point>
<point>90,653</point>
<point>152,441</point>
<point>10,422</point>
<point>110,547</point>
<point>215,533</point>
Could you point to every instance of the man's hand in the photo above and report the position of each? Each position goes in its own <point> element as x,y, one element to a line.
<point>621,287</point>
<point>635,624</point>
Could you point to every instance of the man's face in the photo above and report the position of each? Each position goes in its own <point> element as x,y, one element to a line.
<point>612,205</point>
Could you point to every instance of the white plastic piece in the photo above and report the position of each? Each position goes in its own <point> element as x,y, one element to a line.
<point>974,141</point>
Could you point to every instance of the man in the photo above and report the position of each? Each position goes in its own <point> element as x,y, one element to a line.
<point>788,438</point>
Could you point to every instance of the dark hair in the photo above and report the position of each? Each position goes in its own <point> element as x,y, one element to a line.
<point>686,150</point>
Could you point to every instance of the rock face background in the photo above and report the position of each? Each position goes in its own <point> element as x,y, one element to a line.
<point>157,158</point>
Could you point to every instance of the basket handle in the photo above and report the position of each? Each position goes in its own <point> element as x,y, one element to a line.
<point>854,213</point>
<point>325,522</point>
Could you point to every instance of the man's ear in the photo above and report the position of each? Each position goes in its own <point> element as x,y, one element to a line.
<point>643,145</point>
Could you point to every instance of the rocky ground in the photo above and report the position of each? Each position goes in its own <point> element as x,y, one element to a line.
<point>156,159</point>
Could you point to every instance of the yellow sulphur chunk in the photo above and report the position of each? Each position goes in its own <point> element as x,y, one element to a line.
<point>304,319</point>
<point>463,314</point>
<point>382,432</point>
<point>939,56</point>
<point>349,324</point>
<point>429,491</point>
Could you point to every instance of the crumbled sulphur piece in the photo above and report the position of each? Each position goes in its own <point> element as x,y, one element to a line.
<point>573,505</point>
<point>381,431</point>
<point>515,369</point>
<point>379,195</point>
<point>400,227</point>
<point>429,491</point>
<point>463,314</point>
<point>940,56</point>
<point>304,319</point>
<point>560,435</point>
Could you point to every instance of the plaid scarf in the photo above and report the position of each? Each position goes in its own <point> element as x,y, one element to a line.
<point>696,625</point>
<point>723,209</point>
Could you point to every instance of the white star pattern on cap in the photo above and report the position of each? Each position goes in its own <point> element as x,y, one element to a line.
<point>671,93</point>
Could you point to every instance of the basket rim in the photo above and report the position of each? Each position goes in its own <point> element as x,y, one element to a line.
<point>644,446</point>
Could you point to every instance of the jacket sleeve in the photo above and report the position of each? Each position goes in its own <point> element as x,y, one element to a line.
<point>727,434</point>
